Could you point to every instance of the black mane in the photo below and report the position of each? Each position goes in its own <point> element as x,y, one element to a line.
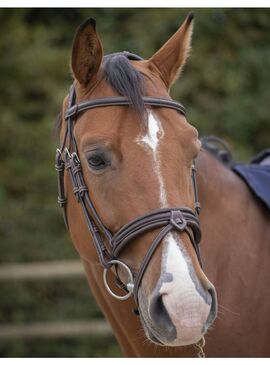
<point>219,149</point>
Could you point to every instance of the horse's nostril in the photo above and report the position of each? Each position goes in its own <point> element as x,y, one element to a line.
<point>161,318</point>
<point>213,294</point>
<point>157,308</point>
<point>213,310</point>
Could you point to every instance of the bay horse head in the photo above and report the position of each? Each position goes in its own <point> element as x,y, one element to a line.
<point>129,154</point>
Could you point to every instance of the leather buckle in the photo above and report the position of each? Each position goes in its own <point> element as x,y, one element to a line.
<point>67,154</point>
<point>59,163</point>
<point>75,158</point>
<point>177,220</point>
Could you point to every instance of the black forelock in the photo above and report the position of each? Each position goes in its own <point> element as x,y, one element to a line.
<point>125,79</point>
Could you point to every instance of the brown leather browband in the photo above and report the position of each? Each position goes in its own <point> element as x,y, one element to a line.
<point>180,219</point>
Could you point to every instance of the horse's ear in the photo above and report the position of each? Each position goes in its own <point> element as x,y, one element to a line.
<point>87,52</point>
<point>169,60</point>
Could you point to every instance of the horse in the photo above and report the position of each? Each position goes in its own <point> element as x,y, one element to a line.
<point>131,172</point>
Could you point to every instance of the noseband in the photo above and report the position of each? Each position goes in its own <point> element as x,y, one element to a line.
<point>180,219</point>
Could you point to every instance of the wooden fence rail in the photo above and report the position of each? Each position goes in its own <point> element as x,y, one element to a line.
<point>55,329</point>
<point>49,270</point>
<point>41,270</point>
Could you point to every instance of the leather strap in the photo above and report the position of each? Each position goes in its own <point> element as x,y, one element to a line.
<point>182,219</point>
<point>178,218</point>
<point>76,109</point>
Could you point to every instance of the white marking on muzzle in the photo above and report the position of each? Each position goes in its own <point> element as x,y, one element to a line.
<point>185,306</point>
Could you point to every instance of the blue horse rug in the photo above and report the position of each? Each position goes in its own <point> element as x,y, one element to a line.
<point>257,175</point>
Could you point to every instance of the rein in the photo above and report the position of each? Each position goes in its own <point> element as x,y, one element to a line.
<point>108,245</point>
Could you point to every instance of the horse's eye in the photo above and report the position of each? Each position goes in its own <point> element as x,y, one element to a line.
<point>97,161</point>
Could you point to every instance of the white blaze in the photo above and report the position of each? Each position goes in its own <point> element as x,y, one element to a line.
<point>187,309</point>
<point>154,132</point>
<point>152,140</point>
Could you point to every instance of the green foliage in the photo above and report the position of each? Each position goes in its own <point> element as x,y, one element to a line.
<point>77,347</point>
<point>225,87</point>
<point>48,300</point>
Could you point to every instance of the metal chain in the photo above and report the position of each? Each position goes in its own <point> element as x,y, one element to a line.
<point>199,346</point>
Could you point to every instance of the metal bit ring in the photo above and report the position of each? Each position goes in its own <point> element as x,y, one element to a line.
<point>129,285</point>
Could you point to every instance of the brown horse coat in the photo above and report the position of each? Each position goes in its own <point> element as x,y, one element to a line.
<point>236,254</point>
<point>235,227</point>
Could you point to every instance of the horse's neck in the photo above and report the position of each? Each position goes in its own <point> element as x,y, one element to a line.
<point>233,222</point>
<point>236,251</point>
<point>220,189</point>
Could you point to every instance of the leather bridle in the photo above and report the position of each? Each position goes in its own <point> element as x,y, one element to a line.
<point>180,219</point>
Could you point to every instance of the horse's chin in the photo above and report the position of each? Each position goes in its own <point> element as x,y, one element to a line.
<point>155,334</point>
<point>168,336</point>
<point>158,338</point>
